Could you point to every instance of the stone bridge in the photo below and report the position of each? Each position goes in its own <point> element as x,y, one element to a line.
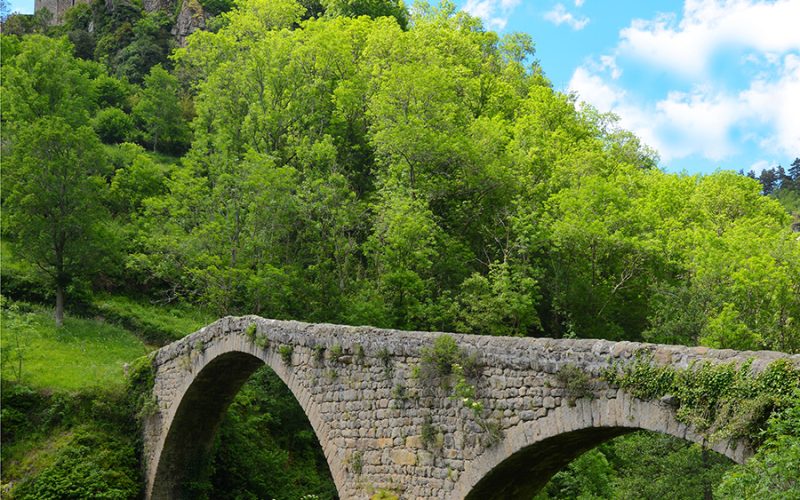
<point>383,423</point>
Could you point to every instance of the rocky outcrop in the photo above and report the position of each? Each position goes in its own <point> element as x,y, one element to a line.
<point>154,5</point>
<point>190,19</point>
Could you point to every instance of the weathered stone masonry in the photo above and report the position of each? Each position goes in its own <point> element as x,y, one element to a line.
<point>380,428</point>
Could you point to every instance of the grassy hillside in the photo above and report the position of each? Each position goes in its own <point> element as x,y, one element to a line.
<point>85,353</point>
<point>67,415</point>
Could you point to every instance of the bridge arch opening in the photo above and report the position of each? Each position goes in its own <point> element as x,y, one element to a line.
<point>526,472</point>
<point>532,453</point>
<point>192,451</point>
<point>529,472</point>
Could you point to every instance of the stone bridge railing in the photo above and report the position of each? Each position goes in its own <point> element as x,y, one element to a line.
<point>383,425</point>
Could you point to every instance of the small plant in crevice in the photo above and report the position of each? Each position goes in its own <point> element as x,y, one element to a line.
<point>400,395</point>
<point>358,353</point>
<point>285,352</point>
<point>148,408</point>
<point>198,346</point>
<point>386,360</point>
<point>575,382</point>
<point>492,432</point>
<point>357,462</point>
<point>438,362</point>
<point>319,353</point>
<point>251,331</point>
<point>428,433</point>
<point>465,392</point>
<point>185,361</point>
<point>336,352</point>
<point>331,374</point>
<point>261,341</point>
<point>384,495</point>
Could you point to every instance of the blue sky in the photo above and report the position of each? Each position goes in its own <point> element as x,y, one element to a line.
<point>708,83</point>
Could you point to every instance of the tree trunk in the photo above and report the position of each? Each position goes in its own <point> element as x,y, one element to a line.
<point>59,306</point>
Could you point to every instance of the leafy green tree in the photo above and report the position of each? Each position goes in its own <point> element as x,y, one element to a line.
<point>650,465</point>
<point>772,472</point>
<point>151,44</point>
<point>112,92</point>
<point>158,112</point>
<point>53,203</point>
<point>42,79</point>
<point>587,477</point>
<point>113,125</point>
<point>371,8</point>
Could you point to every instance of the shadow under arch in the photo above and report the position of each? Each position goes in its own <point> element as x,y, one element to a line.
<point>532,452</point>
<point>203,403</point>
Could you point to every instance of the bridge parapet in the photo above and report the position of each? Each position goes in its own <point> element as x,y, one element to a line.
<point>383,426</point>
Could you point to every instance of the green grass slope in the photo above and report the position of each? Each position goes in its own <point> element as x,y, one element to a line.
<point>83,354</point>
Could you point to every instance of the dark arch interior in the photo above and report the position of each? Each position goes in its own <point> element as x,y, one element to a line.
<point>524,473</point>
<point>191,450</point>
<point>642,460</point>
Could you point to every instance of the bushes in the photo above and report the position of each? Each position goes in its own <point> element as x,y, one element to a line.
<point>95,463</point>
<point>113,125</point>
<point>725,400</point>
<point>773,472</point>
<point>69,444</point>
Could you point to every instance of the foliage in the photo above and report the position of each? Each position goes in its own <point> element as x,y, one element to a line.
<point>772,472</point>
<point>575,381</point>
<point>158,112</point>
<point>113,125</point>
<point>150,45</point>
<point>266,447</point>
<point>588,476</point>
<point>77,444</point>
<point>649,465</point>
<point>42,78</point>
<point>92,464</point>
<point>371,8</point>
<point>154,323</point>
<point>83,353</point>
<point>725,400</point>
<point>286,354</point>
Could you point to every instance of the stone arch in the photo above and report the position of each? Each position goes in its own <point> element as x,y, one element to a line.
<point>213,378</point>
<point>532,452</point>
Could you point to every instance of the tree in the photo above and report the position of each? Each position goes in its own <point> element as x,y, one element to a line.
<point>371,8</point>
<point>53,206</point>
<point>44,78</point>
<point>159,113</point>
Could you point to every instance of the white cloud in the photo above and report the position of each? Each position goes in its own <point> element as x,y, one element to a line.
<point>707,115</point>
<point>559,15</point>
<point>703,121</point>
<point>777,102</point>
<point>610,63</point>
<point>686,47</point>
<point>495,13</point>
<point>579,3</point>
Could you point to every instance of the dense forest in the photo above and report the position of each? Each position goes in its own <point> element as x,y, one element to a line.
<point>350,162</point>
